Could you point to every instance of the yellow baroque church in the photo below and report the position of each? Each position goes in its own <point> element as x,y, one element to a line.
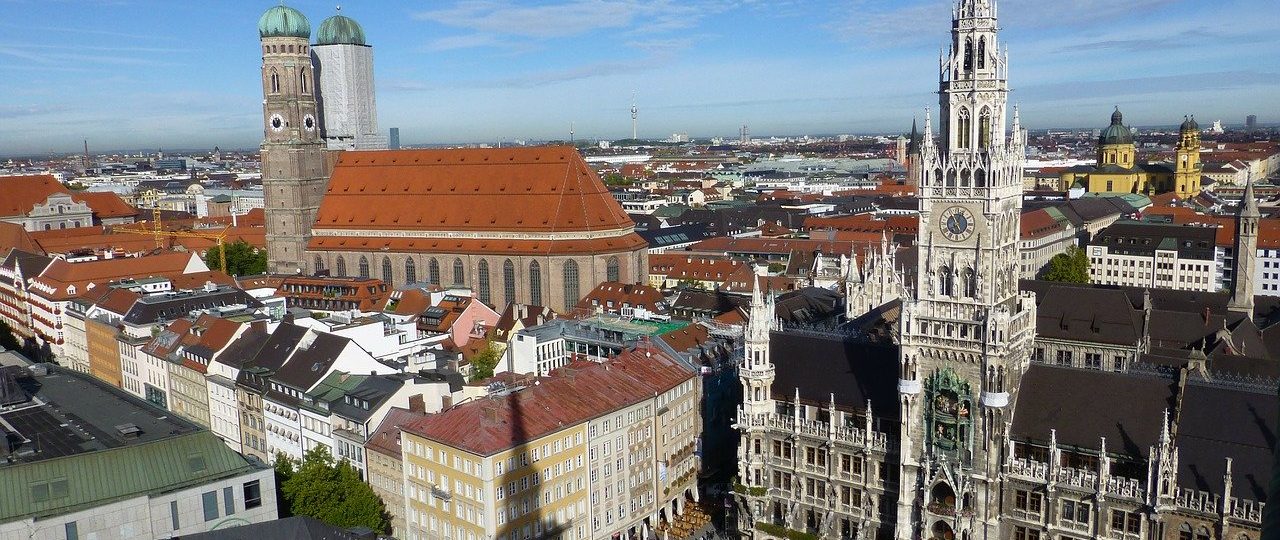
<point>1118,169</point>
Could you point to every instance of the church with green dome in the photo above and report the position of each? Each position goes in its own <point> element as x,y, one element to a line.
<point>1118,170</point>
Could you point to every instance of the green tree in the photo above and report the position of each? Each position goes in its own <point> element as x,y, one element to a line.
<point>330,492</point>
<point>483,364</point>
<point>242,259</point>
<point>1069,267</point>
<point>8,341</point>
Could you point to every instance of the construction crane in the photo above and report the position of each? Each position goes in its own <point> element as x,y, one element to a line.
<point>157,230</point>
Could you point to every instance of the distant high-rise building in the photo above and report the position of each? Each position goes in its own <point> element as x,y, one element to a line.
<point>744,136</point>
<point>344,63</point>
<point>634,115</point>
<point>394,142</point>
<point>1251,122</point>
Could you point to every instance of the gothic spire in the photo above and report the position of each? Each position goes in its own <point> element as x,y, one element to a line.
<point>1249,203</point>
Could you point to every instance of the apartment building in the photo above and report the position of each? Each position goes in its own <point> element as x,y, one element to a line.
<point>1155,255</point>
<point>593,450</point>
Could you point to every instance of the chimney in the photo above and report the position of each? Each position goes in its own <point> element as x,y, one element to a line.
<point>446,401</point>
<point>490,413</point>
<point>416,404</point>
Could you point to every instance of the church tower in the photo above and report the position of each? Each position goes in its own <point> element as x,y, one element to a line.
<point>965,337</point>
<point>1246,252</point>
<point>1188,170</point>
<point>293,163</point>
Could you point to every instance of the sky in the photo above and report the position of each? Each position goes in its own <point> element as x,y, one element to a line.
<point>129,74</point>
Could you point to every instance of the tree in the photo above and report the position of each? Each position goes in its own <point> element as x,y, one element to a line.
<point>483,364</point>
<point>330,492</point>
<point>8,341</point>
<point>242,259</point>
<point>1069,267</point>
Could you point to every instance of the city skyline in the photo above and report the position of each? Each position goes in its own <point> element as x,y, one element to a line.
<point>124,74</point>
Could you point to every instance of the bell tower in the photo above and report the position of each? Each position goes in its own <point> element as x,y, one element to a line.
<point>964,339</point>
<point>293,163</point>
<point>1187,169</point>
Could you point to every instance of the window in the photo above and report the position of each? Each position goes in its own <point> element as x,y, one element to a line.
<point>364,266</point>
<point>1064,358</point>
<point>1024,533</point>
<point>72,531</point>
<point>275,82</point>
<point>482,281</point>
<point>1125,522</point>
<point>612,271</point>
<point>458,274</point>
<point>342,266</point>
<point>252,495</point>
<point>173,514</point>
<point>210,501</point>
<point>1075,512</point>
<point>319,264</point>
<point>570,284</point>
<point>1028,501</point>
<point>535,283</point>
<point>509,281</point>
<point>386,270</point>
<point>1093,360</point>
<point>433,272</point>
<point>228,501</point>
<point>410,271</point>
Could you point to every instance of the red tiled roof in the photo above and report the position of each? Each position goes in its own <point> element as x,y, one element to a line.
<point>570,395</point>
<point>62,274</point>
<point>21,193</point>
<point>616,244</point>
<point>689,266</point>
<point>1038,223</point>
<point>630,294</point>
<point>539,189</point>
<point>386,439</point>
<point>14,236</point>
<point>105,204</point>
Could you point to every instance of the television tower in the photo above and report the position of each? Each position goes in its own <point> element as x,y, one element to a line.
<point>634,112</point>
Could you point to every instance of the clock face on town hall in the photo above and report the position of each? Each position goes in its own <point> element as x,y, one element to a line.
<point>957,223</point>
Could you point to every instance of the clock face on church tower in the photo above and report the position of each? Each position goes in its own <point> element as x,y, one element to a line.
<point>957,224</point>
<point>277,122</point>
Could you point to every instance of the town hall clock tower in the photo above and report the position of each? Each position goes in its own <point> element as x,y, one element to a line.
<point>293,164</point>
<point>965,338</point>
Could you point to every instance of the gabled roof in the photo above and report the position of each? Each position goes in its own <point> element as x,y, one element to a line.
<point>538,189</point>
<point>386,439</point>
<point>308,364</point>
<point>105,204</point>
<point>21,193</point>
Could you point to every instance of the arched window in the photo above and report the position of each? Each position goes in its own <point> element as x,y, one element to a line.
<point>509,281</point>
<point>482,281</point>
<point>342,266</point>
<point>1184,532</point>
<point>970,283</point>
<point>944,281</point>
<point>964,129</point>
<point>570,284</point>
<point>951,178</point>
<point>937,177</point>
<point>1203,533</point>
<point>275,82</point>
<point>612,270</point>
<point>964,178</point>
<point>386,270</point>
<point>535,283</point>
<point>979,178</point>
<point>410,271</point>
<point>982,53</point>
<point>433,272</point>
<point>302,81</point>
<point>364,266</point>
<point>984,128</point>
<point>968,55</point>
<point>319,266</point>
<point>458,272</point>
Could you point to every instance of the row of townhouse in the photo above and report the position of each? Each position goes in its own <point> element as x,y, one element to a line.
<point>593,450</point>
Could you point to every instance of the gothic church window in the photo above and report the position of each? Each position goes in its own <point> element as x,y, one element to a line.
<point>364,266</point>
<point>509,281</point>
<point>570,284</point>
<point>611,272</point>
<point>968,55</point>
<point>482,281</point>
<point>458,273</point>
<point>970,283</point>
<point>964,131</point>
<point>275,82</point>
<point>319,264</point>
<point>410,271</point>
<point>982,53</point>
<point>433,272</point>
<point>945,281</point>
<point>342,266</point>
<point>302,84</point>
<point>984,128</point>
<point>386,270</point>
<point>535,283</point>
<point>979,178</point>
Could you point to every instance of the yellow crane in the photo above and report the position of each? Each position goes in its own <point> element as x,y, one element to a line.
<point>157,230</point>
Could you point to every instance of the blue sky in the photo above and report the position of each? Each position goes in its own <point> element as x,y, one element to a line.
<point>148,74</point>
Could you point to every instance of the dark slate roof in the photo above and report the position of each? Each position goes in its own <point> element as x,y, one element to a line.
<point>707,301</point>
<point>808,305</point>
<point>30,264</point>
<point>309,364</point>
<point>295,528</point>
<point>1087,313</point>
<point>375,390</point>
<point>1217,423</point>
<point>823,365</point>
<point>1084,405</point>
<point>679,234</point>
<point>279,346</point>
<point>1138,238</point>
<point>244,348</point>
<point>168,306</point>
